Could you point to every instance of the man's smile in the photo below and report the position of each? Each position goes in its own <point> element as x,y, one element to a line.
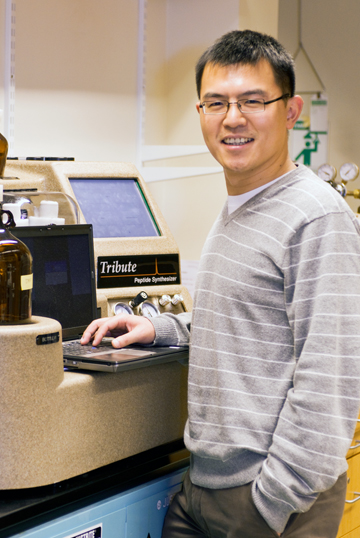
<point>232,141</point>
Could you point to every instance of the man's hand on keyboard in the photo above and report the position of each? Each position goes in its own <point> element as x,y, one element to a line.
<point>125,329</point>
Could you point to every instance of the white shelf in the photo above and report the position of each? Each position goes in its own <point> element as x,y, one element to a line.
<point>153,153</point>
<point>156,173</point>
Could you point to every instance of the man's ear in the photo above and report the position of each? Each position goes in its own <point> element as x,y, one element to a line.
<point>294,107</point>
<point>198,106</point>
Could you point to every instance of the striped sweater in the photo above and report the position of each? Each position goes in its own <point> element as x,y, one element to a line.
<point>274,366</point>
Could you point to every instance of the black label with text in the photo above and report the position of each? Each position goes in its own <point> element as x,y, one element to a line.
<point>95,532</point>
<point>130,271</point>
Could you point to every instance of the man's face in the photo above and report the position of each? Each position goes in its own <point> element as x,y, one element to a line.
<point>252,148</point>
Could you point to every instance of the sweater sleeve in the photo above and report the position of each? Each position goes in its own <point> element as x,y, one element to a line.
<point>171,329</point>
<point>322,292</point>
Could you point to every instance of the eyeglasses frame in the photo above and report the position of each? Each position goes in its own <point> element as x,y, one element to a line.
<point>238,103</point>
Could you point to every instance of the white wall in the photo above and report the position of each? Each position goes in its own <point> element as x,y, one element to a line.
<point>75,72</point>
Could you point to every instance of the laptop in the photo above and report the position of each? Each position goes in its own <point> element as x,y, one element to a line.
<point>64,289</point>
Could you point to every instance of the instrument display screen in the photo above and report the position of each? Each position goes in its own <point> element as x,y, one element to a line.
<point>116,207</point>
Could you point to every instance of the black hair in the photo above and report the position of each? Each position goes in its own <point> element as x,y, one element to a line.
<point>248,47</point>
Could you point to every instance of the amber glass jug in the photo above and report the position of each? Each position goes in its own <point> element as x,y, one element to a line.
<point>3,154</point>
<point>16,279</point>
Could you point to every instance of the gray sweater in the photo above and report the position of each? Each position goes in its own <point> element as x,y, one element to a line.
<point>274,367</point>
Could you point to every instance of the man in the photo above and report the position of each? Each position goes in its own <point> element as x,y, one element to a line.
<point>274,369</point>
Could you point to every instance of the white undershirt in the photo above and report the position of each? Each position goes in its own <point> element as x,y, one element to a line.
<point>236,201</point>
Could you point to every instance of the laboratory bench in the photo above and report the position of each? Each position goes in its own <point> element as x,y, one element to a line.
<point>101,503</point>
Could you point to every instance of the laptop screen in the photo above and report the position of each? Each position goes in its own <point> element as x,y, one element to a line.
<point>64,274</point>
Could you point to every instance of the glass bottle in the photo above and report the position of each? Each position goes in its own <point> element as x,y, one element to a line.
<point>16,279</point>
<point>3,154</point>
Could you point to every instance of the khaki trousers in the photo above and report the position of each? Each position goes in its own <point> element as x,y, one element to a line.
<point>231,513</point>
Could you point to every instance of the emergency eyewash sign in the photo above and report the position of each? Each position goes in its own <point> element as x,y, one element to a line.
<point>309,138</point>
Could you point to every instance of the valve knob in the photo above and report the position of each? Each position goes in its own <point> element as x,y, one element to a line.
<point>140,298</point>
<point>177,299</point>
<point>164,300</point>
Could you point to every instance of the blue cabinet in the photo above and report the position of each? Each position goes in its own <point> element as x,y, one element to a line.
<point>146,516</point>
<point>135,513</point>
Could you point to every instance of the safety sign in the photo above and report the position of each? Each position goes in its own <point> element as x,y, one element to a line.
<point>309,138</point>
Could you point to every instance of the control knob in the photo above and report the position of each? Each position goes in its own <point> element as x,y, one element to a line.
<point>164,300</point>
<point>176,299</point>
<point>140,298</point>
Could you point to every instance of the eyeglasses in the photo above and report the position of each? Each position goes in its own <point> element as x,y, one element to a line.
<point>246,106</point>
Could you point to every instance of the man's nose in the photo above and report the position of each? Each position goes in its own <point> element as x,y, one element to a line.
<point>234,114</point>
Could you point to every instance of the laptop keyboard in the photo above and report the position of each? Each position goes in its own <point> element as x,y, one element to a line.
<point>75,348</point>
